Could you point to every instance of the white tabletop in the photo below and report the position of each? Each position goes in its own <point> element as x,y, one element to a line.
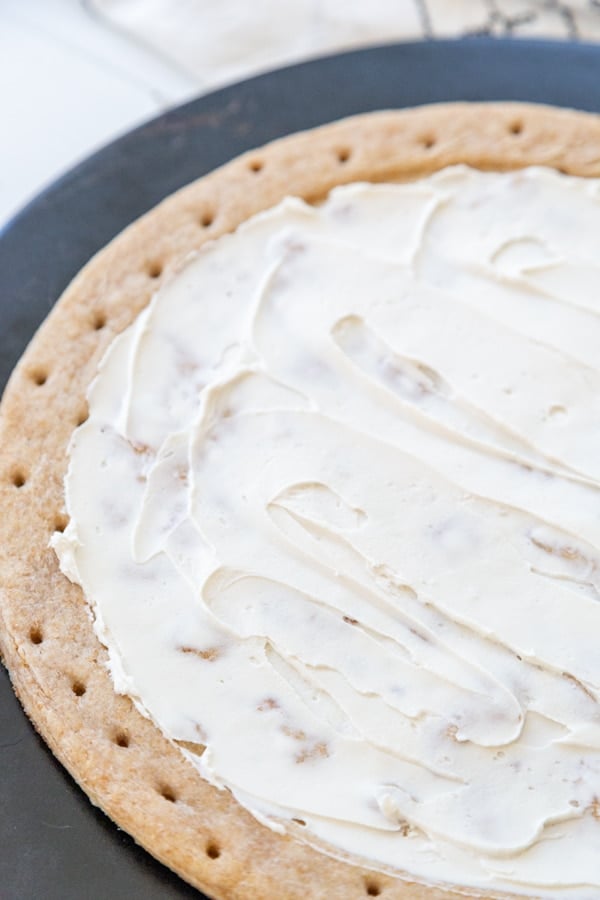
<point>77,73</point>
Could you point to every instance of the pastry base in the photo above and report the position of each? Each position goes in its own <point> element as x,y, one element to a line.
<point>57,666</point>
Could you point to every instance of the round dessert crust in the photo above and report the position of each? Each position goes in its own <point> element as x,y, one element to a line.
<point>56,663</point>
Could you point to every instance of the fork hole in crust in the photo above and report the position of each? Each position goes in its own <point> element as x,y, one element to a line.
<point>39,377</point>
<point>60,522</point>
<point>82,416</point>
<point>18,478</point>
<point>372,888</point>
<point>78,687</point>
<point>121,738</point>
<point>213,851</point>
<point>36,635</point>
<point>99,320</point>
<point>167,793</point>
<point>154,268</point>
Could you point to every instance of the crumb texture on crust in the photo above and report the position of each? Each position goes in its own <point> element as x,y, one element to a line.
<point>56,663</point>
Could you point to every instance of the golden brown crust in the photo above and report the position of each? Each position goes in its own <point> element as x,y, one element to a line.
<point>56,663</point>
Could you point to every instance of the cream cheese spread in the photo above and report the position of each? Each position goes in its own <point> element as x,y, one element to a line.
<point>336,509</point>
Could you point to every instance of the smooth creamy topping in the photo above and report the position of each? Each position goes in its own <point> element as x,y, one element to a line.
<point>337,511</point>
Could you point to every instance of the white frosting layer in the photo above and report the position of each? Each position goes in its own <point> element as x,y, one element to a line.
<point>337,511</point>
